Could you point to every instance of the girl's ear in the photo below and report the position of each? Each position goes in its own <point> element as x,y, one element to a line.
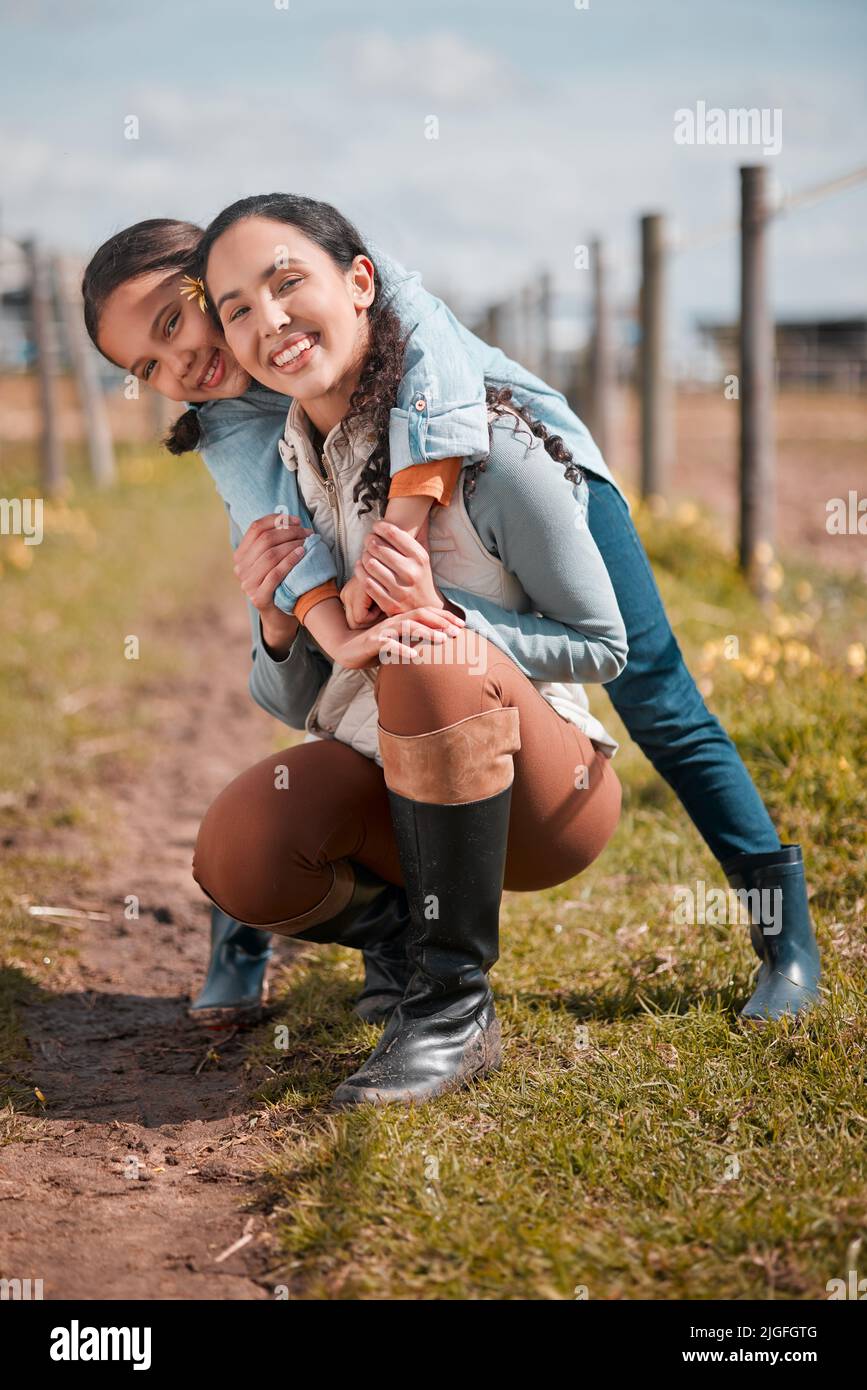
<point>362,282</point>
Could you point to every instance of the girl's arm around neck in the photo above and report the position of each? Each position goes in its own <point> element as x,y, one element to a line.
<point>392,639</point>
<point>440,412</point>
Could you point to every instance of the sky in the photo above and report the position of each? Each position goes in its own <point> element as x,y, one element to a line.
<point>554,124</point>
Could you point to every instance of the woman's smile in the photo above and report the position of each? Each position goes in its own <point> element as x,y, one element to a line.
<point>294,352</point>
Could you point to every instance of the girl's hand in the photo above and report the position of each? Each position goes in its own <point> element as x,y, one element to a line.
<point>360,610</point>
<point>272,547</point>
<point>398,639</point>
<point>395,571</point>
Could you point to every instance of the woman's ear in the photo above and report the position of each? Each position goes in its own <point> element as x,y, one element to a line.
<point>362,282</point>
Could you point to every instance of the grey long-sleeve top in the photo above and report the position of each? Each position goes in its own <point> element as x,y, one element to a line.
<point>529,515</point>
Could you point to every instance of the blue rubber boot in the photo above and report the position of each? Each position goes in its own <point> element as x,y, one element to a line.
<point>781,932</point>
<point>234,990</point>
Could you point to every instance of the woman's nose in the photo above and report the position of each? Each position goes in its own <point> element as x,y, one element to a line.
<point>272,318</point>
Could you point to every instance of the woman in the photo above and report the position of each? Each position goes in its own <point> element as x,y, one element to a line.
<point>486,776</point>
<point>139,316</point>
<point>142,313</point>
<point>655,696</point>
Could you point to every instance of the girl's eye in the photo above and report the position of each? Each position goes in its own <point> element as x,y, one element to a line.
<point>149,370</point>
<point>172,324</point>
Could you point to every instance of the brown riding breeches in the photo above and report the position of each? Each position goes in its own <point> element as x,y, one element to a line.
<point>273,844</point>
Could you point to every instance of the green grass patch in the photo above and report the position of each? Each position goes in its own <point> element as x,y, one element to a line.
<point>640,1142</point>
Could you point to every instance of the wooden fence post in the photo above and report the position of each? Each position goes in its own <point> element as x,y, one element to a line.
<point>52,470</point>
<point>162,412</point>
<point>493,325</point>
<point>655,403</point>
<point>601,354</point>
<point>97,429</point>
<point>757,482</point>
<point>528,354</point>
<point>545,311</point>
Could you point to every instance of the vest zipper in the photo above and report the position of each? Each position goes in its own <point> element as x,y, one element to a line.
<point>331,493</point>
<point>330,488</point>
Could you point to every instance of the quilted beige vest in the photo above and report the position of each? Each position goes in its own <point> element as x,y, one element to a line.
<point>345,708</point>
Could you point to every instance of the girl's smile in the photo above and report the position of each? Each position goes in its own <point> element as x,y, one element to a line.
<point>150,330</point>
<point>213,373</point>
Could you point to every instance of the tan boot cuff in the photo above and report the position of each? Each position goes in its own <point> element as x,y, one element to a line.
<point>336,899</point>
<point>468,761</point>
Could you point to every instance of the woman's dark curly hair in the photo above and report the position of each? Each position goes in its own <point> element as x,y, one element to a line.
<point>374,397</point>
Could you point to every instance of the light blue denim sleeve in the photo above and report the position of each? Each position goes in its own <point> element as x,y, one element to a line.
<point>528,513</point>
<point>544,402</point>
<point>284,689</point>
<point>238,442</point>
<point>440,411</point>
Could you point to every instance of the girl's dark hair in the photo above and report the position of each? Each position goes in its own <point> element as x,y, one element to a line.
<point>160,243</point>
<point>383,368</point>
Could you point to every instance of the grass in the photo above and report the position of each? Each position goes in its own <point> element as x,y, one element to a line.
<point>73,708</point>
<point>640,1142</point>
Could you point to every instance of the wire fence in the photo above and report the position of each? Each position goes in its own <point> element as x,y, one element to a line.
<point>44,292</point>
<point>591,378</point>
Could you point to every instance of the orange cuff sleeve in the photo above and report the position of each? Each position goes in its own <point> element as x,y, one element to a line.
<point>313,596</point>
<point>436,480</point>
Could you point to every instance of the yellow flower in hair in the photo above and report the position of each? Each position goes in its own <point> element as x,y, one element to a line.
<point>193,288</point>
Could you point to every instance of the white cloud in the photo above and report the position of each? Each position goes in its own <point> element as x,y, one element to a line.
<point>431,67</point>
<point>524,168</point>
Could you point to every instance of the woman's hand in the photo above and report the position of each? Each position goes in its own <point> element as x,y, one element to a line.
<point>272,547</point>
<point>360,609</point>
<point>395,571</point>
<point>398,639</point>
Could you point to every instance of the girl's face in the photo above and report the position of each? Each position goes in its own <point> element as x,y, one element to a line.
<point>293,317</point>
<point>153,332</point>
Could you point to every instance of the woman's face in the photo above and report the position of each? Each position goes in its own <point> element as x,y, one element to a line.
<point>293,318</point>
<point>153,332</point>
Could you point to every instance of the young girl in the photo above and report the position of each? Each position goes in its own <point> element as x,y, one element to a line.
<point>486,775</point>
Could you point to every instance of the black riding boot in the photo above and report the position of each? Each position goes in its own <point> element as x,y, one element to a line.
<point>453,854</point>
<point>781,931</point>
<point>375,922</point>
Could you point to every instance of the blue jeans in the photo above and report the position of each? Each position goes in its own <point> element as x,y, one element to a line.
<point>660,704</point>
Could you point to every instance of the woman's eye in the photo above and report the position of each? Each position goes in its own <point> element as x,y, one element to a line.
<point>172,324</point>
<point>149,370</point>
<point>236,313</point>
<point>287,284</point>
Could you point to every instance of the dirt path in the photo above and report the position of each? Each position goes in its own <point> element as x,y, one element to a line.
<point>124,1072</point>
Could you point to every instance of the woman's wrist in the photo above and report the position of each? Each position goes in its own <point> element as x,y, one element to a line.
<point>279,631</point>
